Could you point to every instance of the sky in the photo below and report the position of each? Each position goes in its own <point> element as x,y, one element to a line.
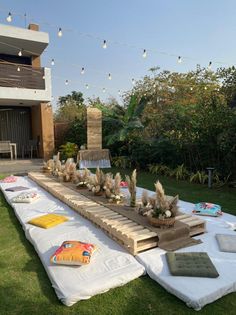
<point>199,31</point>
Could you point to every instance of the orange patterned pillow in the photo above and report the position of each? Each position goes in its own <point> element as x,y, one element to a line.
<point>73,253</point>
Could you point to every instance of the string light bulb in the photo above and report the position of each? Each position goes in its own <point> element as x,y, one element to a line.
<point>82,70</point>
<point>104,45</point>
<point>9,17</point>
<point>59,32</point>
<point>20,53</point>
<point>144,53</point>
<point>18,69</point>
<point>133,81</point>
<point>87,86</point>
<point>209,65</point>
<point>109,76</point>
<point>66,82</point>
<point>52,62</point>
<point>191,88</point>
<point>119,92</point>
<point>205,88</point>
<point>103,90</point>
<point>179,59</point>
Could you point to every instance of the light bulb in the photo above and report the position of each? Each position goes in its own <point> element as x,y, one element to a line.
<point>82,71</point>
<point>133,81</point>
<point>144,53</point>
<point>179,59</point>
<point>52,62</point>
<point>9,17</point>
<point>59,32</point>
<point>52,98</point>
<point>205,88</point>
<point>209,65</point>
<point>18,69</point>
<point>104,90</point>
<point>104,45</point>
<point>43,77</point>
<point>20,53</point>
<point>66,82</point>
<point>87,86</point>
<point>191,88</point>
<point>119,92</point>
<point>109,76</point>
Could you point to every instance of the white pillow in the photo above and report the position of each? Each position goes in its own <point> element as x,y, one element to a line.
<point>26,197</point>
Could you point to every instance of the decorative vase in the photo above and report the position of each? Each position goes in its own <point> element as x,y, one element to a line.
<point>162,223</point>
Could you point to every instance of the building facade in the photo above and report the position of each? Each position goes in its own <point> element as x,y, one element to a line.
<point>25,90</point>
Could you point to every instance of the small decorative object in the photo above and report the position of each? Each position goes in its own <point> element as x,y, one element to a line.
<point>9,179</point>
<point>147,204</point>
<point>131,181</point>
<point>73,253</point>
<point>82,178</point>
<point>68,171</point>
<point>112,188</point>
<point>163,210</point>
<point>48,167</point>
<point>26,197</point>
<point>206,208</point>
<point>98,183</point>
<point>123,184</point>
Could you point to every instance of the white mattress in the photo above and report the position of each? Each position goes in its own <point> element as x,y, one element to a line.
<point>111,266</point>
<point>197,292</point>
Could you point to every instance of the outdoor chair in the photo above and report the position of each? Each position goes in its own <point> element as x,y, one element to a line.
<point>5,147</point>
<point>30,148</point>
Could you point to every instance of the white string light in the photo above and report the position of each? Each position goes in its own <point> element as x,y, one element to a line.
<point>59,32</point>
<point>133,81</point>
<point>179,59</point>
<point>209,65</point>
<point>119,92</point>
<point>52,62</point>
<point>191,88</point>
<point>9,17</point>
<point>144,53</point>
<point>18,69</point>
<point>20,53</point>
<point>104,45</point>
<point>66,82</point>
<point>109,76</point>
<point>103,90</point>
<point>82,70</point>
<point>87,86</point>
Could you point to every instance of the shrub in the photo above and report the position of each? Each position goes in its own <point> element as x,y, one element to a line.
<point>69,150</point>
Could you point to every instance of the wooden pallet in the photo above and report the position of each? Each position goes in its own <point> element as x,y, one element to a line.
<point>131,235</point>
<point>197,225</point>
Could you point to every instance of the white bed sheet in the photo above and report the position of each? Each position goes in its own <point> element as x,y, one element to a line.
<point>111,265</point>
<point>197,292</point>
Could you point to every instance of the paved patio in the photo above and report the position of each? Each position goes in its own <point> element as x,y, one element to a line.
<point>19,166</point>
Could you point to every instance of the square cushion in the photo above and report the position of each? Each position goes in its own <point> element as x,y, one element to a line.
<point>9,179</point>
<point>16,188</point>
<point>73,253</point>
<point>26,197</point>
<point>207,208</point>
<point>48,220</point>
<point>226,242</point>
<point>197,264</point>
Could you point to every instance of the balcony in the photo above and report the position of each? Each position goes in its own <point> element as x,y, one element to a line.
<point>24,83</point>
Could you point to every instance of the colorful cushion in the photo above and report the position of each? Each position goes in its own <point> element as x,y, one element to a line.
<point>73,253</point>
<point>16,188</point>
<point>9,179</point>
<point>206,208</point>
<point>197,264</point>
<point>226,242</point>
<point>26,197</point>
<point>48,220</point>
<point>123,184</point>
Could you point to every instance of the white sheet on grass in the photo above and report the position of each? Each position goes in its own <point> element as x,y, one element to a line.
<point>111,266</point>
<point>197,292</point>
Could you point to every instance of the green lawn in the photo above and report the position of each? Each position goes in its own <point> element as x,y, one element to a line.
<point>26,289</point>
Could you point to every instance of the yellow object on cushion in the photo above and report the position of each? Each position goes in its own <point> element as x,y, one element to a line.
<point>48,220</point>
<point>73,253</point>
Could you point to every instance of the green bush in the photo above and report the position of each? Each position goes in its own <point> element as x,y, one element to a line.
<point>68,150</point>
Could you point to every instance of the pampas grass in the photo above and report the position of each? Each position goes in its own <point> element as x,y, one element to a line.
<point>132,181</point>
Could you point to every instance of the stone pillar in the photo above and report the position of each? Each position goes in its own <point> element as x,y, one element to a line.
<point>94,129</point>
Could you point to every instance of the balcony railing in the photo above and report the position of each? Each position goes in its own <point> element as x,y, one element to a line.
<point>21,76</point>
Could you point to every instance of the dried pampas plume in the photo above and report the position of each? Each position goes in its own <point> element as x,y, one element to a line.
<point>132,181</point>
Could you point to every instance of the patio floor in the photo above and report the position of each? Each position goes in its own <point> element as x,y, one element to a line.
<point>19,166</point>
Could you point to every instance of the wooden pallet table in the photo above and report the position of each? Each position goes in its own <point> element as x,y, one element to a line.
<point>197,225</point>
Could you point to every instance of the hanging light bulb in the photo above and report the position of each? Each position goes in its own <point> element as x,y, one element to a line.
<point>144,53</point>
<point>9,17</point>
<point>66,82</point>
<point>59,32</point>
<point>43,77</point>
<point>119,92</point>
<point>82,70</point>
<point>104,90</point>
<point>179,59</point>
<point>87,86</point>
<point>205,88</point>
<point>133,81</point>
<point>20,53</point>
<point>18,69</point>
<point>52,62</point>
<point>109,76</point>
<point>191,88</point>
<point>209,65</point>
<point>52,98</point>
<point>104,45</point>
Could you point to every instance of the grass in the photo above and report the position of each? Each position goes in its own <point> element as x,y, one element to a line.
<point>26,289</point>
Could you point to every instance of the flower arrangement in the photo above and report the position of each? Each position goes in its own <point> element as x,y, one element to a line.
<point>96,182</point>
<point>82,178</point>
<point>132,181</point>
<point>160,210</point>
<point>112,188</point>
